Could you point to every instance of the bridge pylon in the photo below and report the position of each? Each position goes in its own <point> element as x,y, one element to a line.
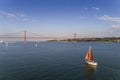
<point>75,35</point>
<point>25,36</point>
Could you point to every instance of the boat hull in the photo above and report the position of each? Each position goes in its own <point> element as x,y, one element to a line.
<point>91,63</point>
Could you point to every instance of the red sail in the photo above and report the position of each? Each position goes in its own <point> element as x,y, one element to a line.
<point>87,56</point>
<point>91,57</point>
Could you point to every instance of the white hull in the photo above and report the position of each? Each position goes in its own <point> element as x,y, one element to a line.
<point>91,62</point>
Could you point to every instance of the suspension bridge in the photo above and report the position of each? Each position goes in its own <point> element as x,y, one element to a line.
<point>30,36</point>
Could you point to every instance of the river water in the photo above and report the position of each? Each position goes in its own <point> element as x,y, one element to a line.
<point>58,61</point>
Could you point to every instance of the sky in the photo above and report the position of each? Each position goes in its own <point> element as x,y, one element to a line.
<point>87,18</point>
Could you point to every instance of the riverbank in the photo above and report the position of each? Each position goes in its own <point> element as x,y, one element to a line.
<point>107,39</point>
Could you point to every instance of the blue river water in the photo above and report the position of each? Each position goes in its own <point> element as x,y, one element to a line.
<point>58,61</point>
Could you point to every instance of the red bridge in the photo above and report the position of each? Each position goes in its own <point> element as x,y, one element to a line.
<point>26,36</point>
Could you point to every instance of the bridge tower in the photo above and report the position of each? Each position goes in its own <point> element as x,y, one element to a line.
<point>24,36</point>
<point>75,35</point>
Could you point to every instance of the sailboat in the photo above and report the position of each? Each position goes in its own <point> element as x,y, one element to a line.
<point>90,58</point>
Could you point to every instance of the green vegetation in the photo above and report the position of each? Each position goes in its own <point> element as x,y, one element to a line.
<point>107,39</point>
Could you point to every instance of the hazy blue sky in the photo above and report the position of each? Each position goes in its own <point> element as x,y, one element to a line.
<point>96,18</point>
